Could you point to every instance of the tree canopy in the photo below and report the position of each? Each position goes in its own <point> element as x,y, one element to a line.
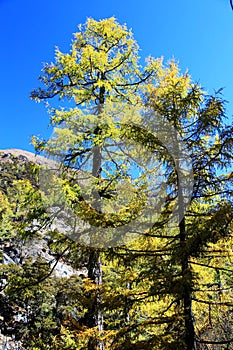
<point>139,193</point>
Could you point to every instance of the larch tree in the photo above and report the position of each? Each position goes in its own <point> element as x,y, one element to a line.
<point>105,97</point>
<point>199,121</point>
<point>101,69</point>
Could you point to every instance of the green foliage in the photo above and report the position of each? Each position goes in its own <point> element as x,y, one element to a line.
<point>168,288</point>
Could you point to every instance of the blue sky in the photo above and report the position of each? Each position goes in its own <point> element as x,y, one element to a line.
<point>197,33</point>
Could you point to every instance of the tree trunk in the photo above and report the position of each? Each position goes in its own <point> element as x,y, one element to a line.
<point>95,273</point>
<point>94,315</point>
<point>189,335</point>
<point>189,332</point>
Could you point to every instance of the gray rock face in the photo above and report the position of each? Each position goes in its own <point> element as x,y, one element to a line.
<point>36,247</point>
<point>39,248</point>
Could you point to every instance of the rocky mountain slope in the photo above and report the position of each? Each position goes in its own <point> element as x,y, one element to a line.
<point>39,246</point>
<point>16,165</point>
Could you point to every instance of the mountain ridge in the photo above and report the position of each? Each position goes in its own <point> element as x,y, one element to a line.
<point>24,156</point>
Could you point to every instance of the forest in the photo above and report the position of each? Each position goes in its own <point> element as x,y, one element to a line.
<point>118,233</point>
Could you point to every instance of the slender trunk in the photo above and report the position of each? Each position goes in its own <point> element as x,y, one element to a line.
<point>95,314</point>
<point>189,332</point>
<point>187,293</point>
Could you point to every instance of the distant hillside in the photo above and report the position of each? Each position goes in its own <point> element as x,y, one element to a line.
<point>24,156</point>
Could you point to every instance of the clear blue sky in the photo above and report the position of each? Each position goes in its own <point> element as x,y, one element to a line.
<point>197,33</point>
